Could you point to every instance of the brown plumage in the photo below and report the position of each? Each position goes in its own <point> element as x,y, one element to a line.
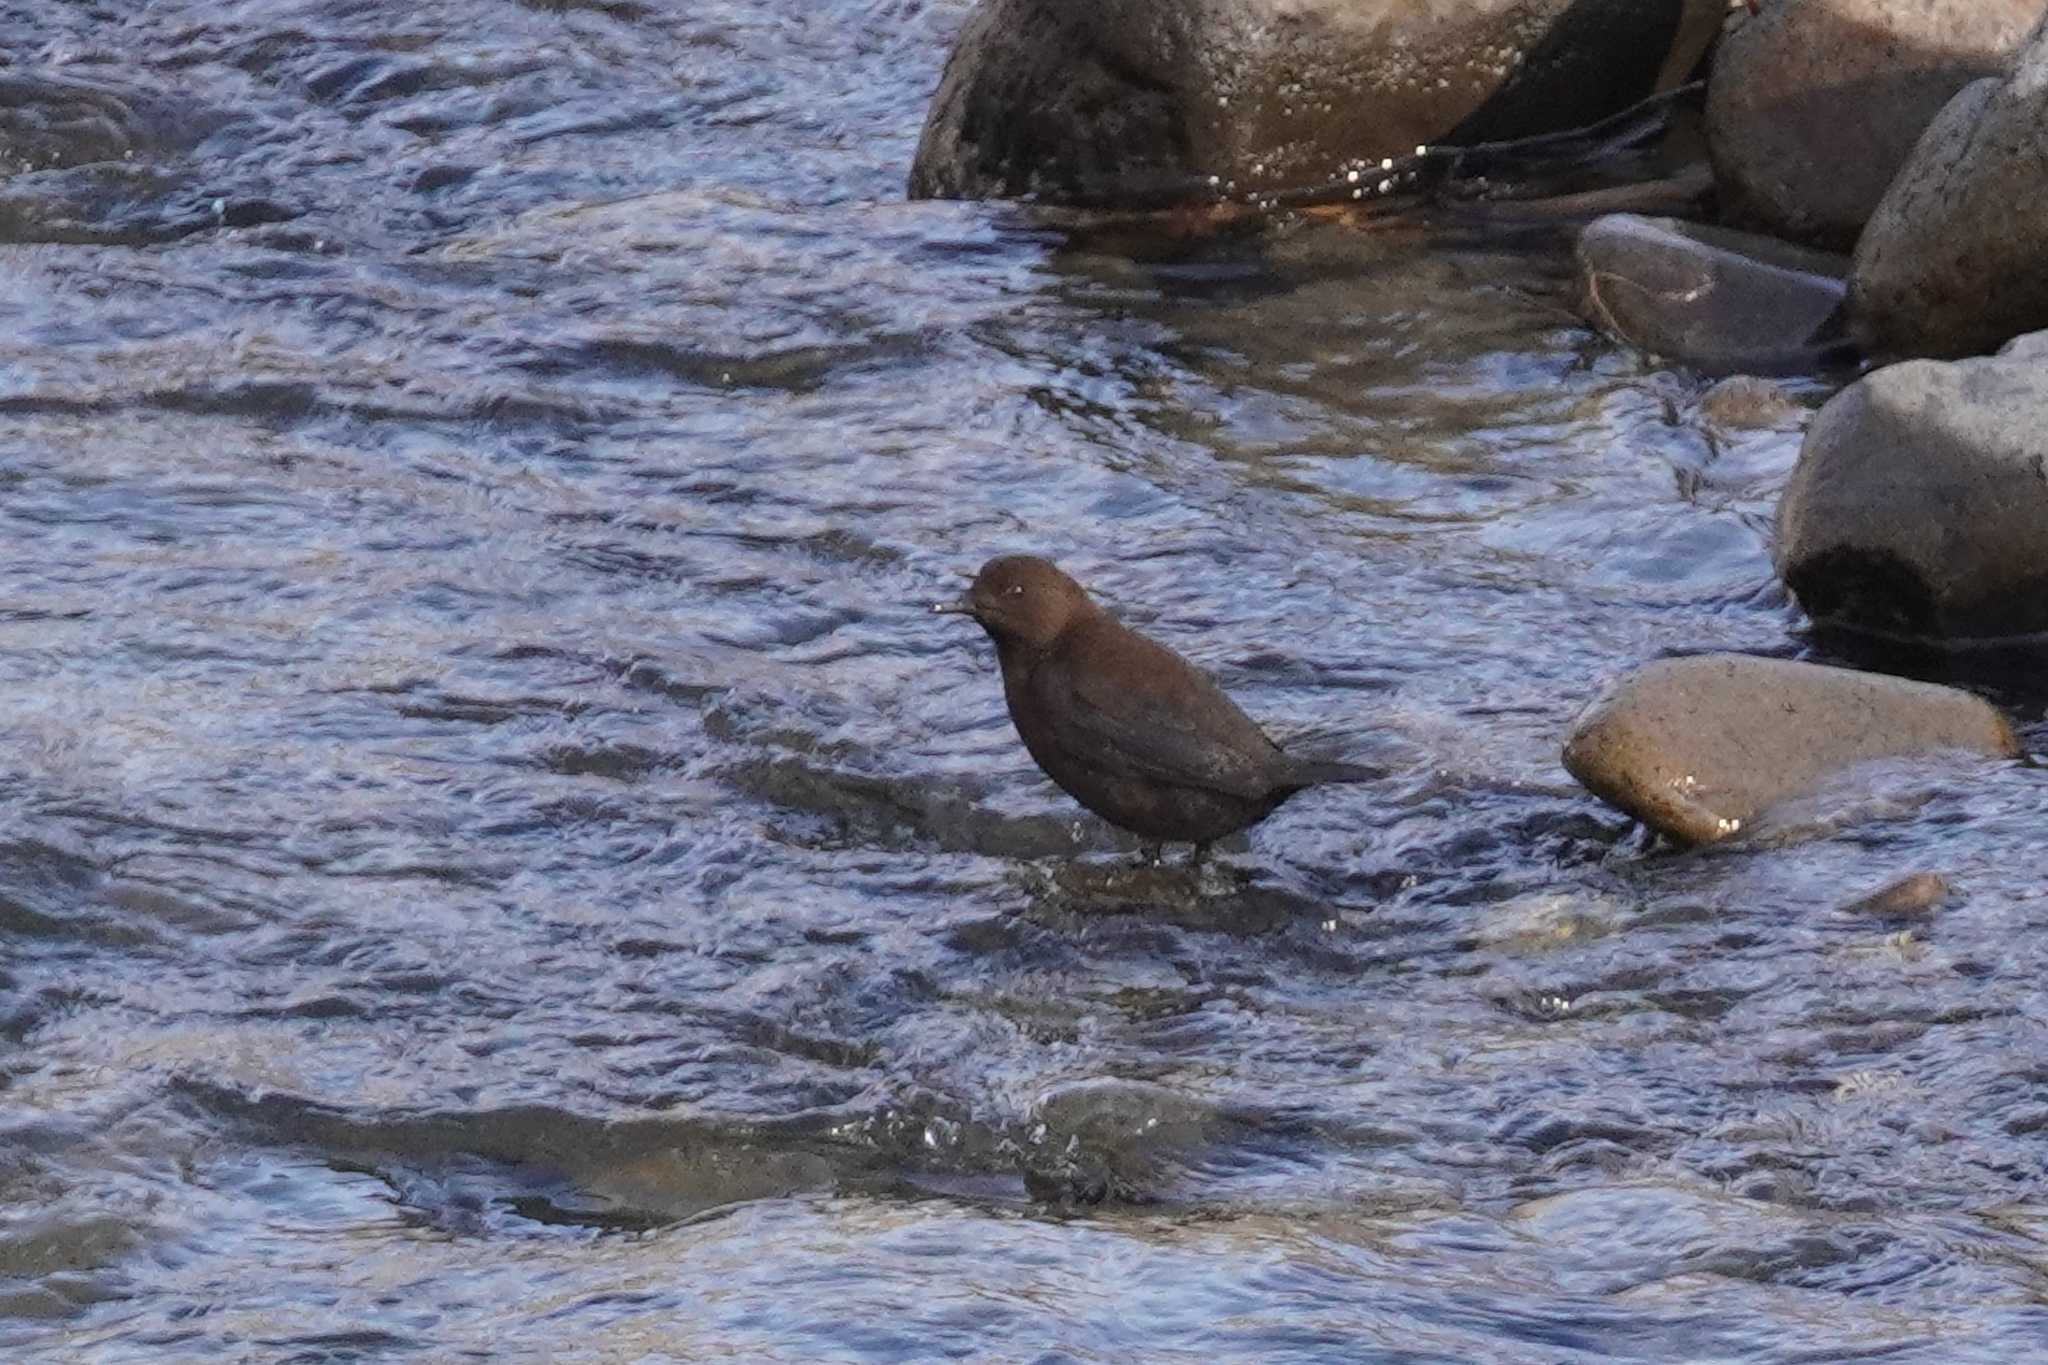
<point>1124,725</point>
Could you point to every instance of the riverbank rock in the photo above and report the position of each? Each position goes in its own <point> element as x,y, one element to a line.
<point>1950,263</point>
<point>1918,508</point>
<point>1720,300</point>
<point>1813,107</point>
<point>1139,99</point>
<point>1697,748</point>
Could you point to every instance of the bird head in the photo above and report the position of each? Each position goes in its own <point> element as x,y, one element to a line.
<point>1022,600</point>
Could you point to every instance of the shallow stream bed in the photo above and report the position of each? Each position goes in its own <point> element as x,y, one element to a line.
<point>496,861</point>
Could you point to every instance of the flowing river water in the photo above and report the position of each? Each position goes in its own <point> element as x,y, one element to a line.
<point>496,861</point>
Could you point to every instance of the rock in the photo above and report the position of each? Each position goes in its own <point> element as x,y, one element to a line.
<point>1720,300</point>
<point>1747,402</point>
<point>1950,263</point>
<point>1917,894</point>
<point>1110,1139</point>
<point>47,122</point>
<point>1812,107</point>
<point>1697,748</point>
<point>1136,99</point>
<point>1918,509</point>
<point>2031,346</point>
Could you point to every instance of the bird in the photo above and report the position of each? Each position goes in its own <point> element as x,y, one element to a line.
<point>1124,725</point>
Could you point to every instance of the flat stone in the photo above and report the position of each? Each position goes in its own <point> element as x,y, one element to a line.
<point>1141,99</point>
<point>1918,509</point>
<point>1950,262</point>
<point>1697,748</point>
<point>1720,300</point>
<point>1813,107</point>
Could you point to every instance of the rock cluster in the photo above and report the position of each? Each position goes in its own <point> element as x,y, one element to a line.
<point>1918,130</point>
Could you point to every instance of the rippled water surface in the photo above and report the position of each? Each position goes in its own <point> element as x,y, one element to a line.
<point>497,862</point>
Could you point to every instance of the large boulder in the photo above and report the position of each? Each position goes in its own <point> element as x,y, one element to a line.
<point>1919,506</point>
<point>1951,262</point>
<point>1698,748</point>
<point>1719,300</point>
<point>1812,107</point>
<point>1133,99</point>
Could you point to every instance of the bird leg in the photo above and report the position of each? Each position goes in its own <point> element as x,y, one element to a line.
<point>1152,855</point>
<point>1197,854</point>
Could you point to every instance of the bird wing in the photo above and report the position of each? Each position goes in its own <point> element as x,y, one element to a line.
<point>1173,725</point>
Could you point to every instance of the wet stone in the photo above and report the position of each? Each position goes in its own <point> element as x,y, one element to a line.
<point>1698,748</point>
<point>1720,300</point>
<point>1918,509</point>
<point>1110,1140</point>
<point>1750,402</point>
<point>1067,99</point>
<point>1919,893</point>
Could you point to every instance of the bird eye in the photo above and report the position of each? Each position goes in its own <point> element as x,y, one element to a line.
<point>1014,590</point>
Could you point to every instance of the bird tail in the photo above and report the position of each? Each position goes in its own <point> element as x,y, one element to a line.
<point>1311,772</point>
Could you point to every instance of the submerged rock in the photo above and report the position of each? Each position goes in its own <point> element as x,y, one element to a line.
<point>52,122</point>
<point>1079,99</point>
<point>1950,263</point>
<point>1104,1139</point>
<point>1720,300</point>
<point>1916,894</point>
<point>1918,509</point>
<point>1750,402</point>
<point>1813,107</point>
<point>1697,748</point>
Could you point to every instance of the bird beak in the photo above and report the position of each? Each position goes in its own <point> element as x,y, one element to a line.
<point>962,605</point>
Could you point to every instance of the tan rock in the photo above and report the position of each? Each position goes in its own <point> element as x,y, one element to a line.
<point>1697,748</point>
<point>1917,894</point>
<point>1813,106</point>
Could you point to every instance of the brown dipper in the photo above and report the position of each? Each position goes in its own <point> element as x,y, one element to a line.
<point>1126,726</point>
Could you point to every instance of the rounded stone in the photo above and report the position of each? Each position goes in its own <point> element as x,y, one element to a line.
<point>1918,509</point>
<point>1950,263</point>
<point>1813,107</point>
<point>1697,748</point>
<point>1130,100</point>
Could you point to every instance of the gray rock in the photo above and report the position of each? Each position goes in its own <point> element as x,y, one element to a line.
<point>1720,300</point>
<point>1812,107</point>
<point>1919,506</point>
<point>1950,263</point>
<point>1697,748</point>
<point>1127,99</point>
<point>2030,346</point>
